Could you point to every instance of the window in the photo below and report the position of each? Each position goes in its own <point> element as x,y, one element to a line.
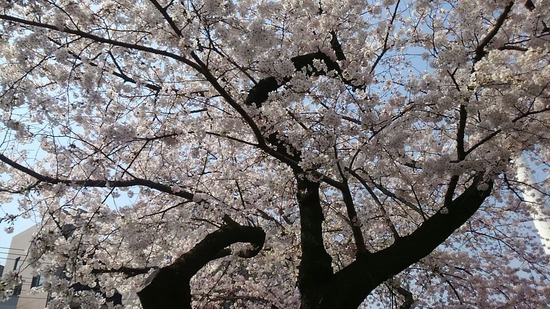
<point>37,281</point>
<point>16,264</point>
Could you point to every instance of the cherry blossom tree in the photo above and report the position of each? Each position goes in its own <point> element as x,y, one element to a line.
<point>264,154</point>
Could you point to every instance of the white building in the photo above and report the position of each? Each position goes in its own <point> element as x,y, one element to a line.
<point>28,295</point>
<point>23,298</point>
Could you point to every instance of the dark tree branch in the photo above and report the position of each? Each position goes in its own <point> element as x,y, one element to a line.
<point>529,5</point>
<point>354,221</point>
<point>167,17</point>
<point>336,46</point>
<point>480,49</point>
<point>460,133</point>
<point>120,74</point>
<point>98,183</point>
<point>99,39</point>
<point>388,193</point>
<point>204,70</point>
<point>260,92</point>
<point>386,39</point>
<point>168,287</point>
<point>306,62</point>
<point>349,287</point>
<point>409,299</point>
<point>451,187</point>
<point>513,47</point>
<point>387,218</point>
<point>127,271</point>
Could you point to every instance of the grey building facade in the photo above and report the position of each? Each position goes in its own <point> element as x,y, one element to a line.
<point>24,298</point>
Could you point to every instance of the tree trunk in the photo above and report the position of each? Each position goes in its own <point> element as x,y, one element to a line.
<point>315,266</point>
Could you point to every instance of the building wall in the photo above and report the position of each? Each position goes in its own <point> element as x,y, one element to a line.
<point>17,260</point>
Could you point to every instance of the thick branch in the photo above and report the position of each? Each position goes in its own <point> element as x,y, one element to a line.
<point>127,271</point>
<point>169,286</point>
<point>99,39</point>
<point>351,285</point>
<point>260,92</point>
<point>98,183</point>
<point>409,298</point>
<point>480,49</point>
<point>460,134</point>
<point>167,17</point>
<point>203,69</point>
<point>336,46</point>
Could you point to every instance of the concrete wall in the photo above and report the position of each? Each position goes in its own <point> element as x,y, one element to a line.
<point>17,260</point>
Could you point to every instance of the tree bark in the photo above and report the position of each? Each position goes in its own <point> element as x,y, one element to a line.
<point>315,267</point>
<point>349,287</point>
<point>169,286</point>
